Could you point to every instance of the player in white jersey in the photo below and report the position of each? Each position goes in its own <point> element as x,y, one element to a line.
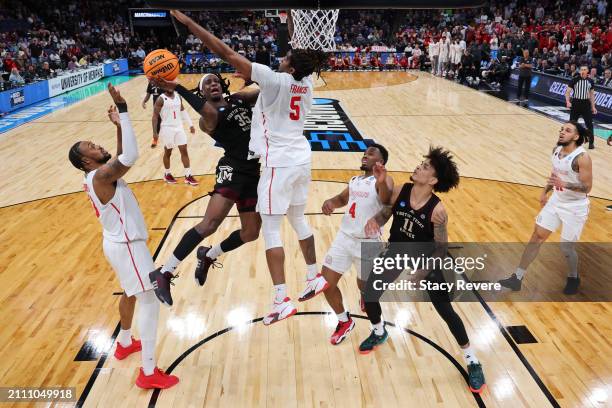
<point>277,137</point>
<point>365,199</point>
<point>169,108</point>
<point>125,235</point>
<point>571,181</point>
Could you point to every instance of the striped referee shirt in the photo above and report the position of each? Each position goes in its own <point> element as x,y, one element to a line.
<point>581,87</point>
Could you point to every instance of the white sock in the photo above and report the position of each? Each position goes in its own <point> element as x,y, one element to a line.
<point>343,317</point>
<point>148,356</point>
<point>187,171</point>
<point>171,264</point>
<point>469,355</point>
<point>166,172</point>
<point>379,328</point>
<point>148,316</point>
<point>280,292</point>
<point>311,271</point>
<point>125,337</point>
<point>520,273</point>
<point>214,252</point>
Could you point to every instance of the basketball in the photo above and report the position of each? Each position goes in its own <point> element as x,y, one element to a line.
<point>161,63</point>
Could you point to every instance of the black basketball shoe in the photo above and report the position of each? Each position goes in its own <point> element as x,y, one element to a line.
<point>204,263</point>
<point>571,287</point>
<point>512,282</point>
<point>161,285</point>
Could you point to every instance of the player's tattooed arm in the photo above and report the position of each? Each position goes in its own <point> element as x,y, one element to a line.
<point>383,215</point>
<point>439,218</point>
<point>584,166</point>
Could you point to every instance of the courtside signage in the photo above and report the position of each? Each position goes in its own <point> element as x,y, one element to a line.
<point>75,80</point>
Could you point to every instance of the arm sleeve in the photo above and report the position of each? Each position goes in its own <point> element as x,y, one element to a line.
<point>186,118</point>
<point>130,146</point>
<point>192,99</point>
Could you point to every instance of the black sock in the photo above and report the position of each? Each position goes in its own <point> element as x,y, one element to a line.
<point>232,242</point>
<point>374,312</point>
<point>188,243</point>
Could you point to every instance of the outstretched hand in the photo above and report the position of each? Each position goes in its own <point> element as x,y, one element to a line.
<point>380,172</point>
<point>115,94</point>
<point>113,115</point>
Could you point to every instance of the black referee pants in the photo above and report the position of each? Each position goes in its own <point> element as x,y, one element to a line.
<point>524,85</point>
<point>582,107</point>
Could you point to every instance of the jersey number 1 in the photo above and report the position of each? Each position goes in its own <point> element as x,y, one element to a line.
<point>295,108</point>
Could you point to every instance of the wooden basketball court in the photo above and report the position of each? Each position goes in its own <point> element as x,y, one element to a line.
<point>59,293</point>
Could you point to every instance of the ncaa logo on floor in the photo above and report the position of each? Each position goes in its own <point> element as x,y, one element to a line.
<point>329,129</point>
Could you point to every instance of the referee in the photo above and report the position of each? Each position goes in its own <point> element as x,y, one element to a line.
<point>583,100</point>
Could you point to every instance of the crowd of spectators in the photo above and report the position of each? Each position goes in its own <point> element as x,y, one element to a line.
<point>466,45</point>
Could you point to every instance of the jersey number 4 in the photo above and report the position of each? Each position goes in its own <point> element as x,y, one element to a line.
<point>352,209</point>
<point>295,108</point>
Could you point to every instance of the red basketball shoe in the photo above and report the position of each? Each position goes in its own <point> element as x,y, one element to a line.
<point>122,352</point>
<point>158,379</point>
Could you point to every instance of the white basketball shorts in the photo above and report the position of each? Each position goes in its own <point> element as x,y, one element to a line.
<point>347,251</point>
<point>571,216</point>
<point>172,136</point>
<point>132,263</point>
<point>281,187</point>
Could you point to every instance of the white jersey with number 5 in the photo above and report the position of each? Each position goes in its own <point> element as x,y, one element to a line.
<point>363,204</point>
<point>277,128</point>
<point>170,112</point>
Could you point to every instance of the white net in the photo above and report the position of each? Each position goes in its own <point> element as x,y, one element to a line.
<point>314,29</point>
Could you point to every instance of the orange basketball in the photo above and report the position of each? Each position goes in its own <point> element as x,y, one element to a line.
<point>161,64</point>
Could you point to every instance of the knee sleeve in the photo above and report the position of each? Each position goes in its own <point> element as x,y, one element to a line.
<point>270,226</point>
<point>148,315</point>
<point>295,214</point>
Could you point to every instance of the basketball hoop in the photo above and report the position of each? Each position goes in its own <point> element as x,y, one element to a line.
<point>314,29</point>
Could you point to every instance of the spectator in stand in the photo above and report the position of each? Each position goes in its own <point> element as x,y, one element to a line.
<point>607,79</point>
<point>45,72</point>
<point>35,51</point>
<point>15,79</point>
<point>30,74</point>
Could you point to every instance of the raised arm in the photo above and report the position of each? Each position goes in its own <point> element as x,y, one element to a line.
<point>384,183</point>
<point>242,64</point>
<point>337,201</point>
<point>113,115</point>
<point>110,172</point>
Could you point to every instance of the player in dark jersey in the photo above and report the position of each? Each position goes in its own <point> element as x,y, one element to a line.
<point>419,217</point>
<point>228,122</point>
<point>156,92</point>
